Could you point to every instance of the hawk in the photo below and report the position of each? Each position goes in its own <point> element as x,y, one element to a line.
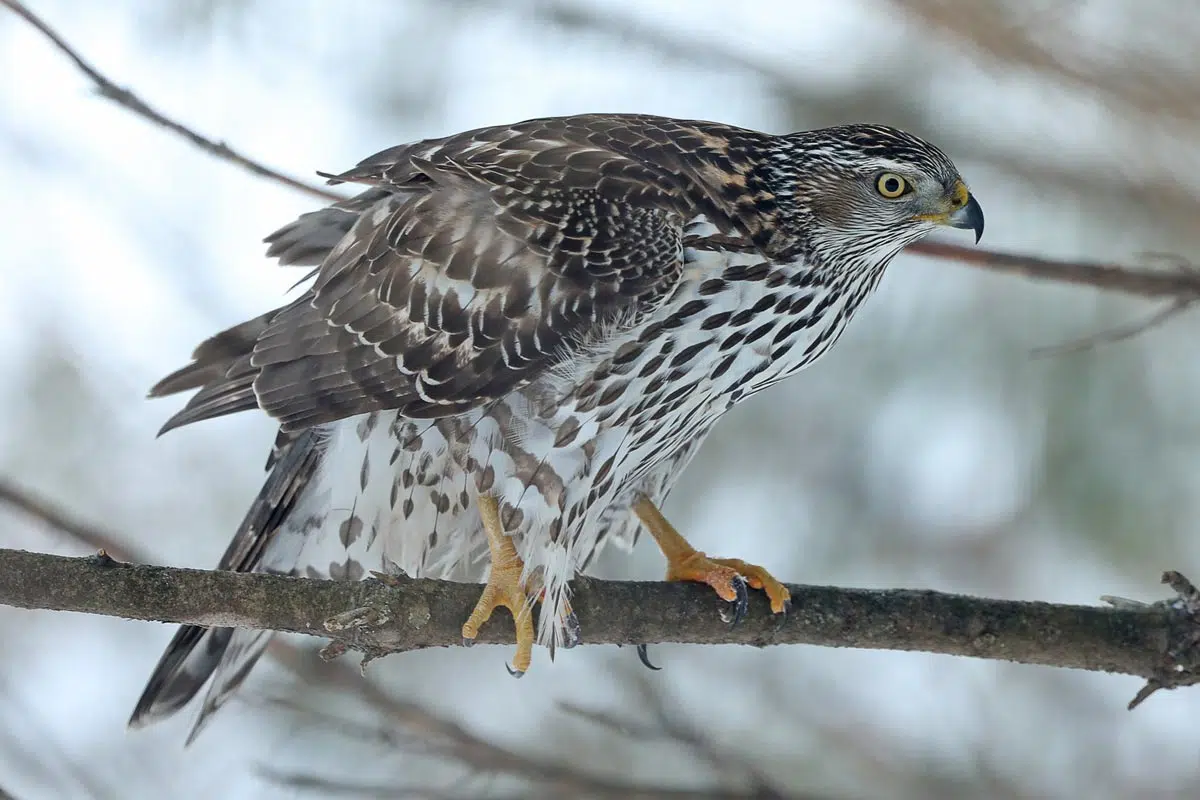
<point>515,340</point>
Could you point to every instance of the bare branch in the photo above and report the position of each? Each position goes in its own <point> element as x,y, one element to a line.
<point>126,98</point>
<point>1129,280</point>
<point>1153,642</point>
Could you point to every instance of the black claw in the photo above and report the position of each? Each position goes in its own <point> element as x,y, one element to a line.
<point>741,603</point>
<point>516,673</point>
<point>572,632</point>
<point>468,642</point>
<point>781,618</point>
<point>644,656</point>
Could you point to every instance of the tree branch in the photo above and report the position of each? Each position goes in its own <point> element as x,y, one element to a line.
<point>1151,283</point>
<point>1158,642</point>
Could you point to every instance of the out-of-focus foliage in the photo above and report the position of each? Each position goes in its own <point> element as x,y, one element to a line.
<point>930,449</point>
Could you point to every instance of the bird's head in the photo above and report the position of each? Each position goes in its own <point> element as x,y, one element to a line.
<point>863,192</point>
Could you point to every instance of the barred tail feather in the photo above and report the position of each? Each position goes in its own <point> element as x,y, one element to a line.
<point>270,539</point>
<point>185,666</point>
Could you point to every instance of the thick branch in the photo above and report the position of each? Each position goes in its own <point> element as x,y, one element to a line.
<point>379,618</point>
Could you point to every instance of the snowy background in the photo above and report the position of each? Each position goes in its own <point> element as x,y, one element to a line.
<point>929,450</point>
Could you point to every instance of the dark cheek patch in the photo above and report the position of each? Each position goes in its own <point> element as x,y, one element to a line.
<point>838,209</point>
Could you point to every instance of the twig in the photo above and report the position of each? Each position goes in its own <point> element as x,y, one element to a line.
<point>1010,35</point>
<point>1181,665</point>
<point>45,512</point>
<point>668,726</point>
<point>127,99</point>
<point>1122,332</point>
<point>1119,333</point>
<point>409,726</point>
<point>1130,280</point>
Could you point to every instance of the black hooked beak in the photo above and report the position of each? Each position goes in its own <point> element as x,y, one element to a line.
<point>969,217</point>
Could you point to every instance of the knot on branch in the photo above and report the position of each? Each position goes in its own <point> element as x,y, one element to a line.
<point>1181,657</point>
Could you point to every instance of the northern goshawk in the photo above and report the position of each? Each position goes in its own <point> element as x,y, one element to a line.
<point>517,338</point>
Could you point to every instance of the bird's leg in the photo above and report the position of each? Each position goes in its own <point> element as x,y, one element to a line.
<point>504,587</point>
<point>727,576</point>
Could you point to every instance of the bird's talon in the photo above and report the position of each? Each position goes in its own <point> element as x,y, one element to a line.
<point>516,673</point>
<point>644,656</point>
<point>504,588</point>
<point>727,576</point>
<point>740,603</point>
<point>759,578</point>
<point>572,632</point>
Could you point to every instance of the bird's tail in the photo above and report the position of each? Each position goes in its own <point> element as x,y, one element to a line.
<point>265,542</point>
<point>222,371</point>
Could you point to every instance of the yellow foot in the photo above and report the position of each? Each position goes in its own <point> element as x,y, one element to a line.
<point>727,576</point>
<point>504,589</point>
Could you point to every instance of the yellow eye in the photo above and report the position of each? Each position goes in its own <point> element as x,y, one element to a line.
<point>891,185</point>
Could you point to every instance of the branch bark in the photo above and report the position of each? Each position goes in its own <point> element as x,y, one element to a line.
<point>380,617</point>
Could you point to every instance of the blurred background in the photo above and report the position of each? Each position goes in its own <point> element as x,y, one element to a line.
<point>931,449</point>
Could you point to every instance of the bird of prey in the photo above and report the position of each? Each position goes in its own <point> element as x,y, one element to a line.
<point>516,338</point>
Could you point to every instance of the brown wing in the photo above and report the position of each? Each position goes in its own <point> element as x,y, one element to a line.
<point>472,264</point>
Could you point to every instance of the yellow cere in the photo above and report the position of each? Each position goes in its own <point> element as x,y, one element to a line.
<point>958,199</point>
<point>960,195</point>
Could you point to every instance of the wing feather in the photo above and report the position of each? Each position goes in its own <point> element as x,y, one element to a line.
<point>470,265</point>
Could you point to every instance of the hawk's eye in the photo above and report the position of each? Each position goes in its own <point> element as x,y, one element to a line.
<point>891,185</point>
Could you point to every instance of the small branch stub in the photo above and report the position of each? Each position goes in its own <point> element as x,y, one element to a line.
<point>1181,660</point>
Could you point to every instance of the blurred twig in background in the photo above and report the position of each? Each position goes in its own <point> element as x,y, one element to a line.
<point>126,98</point>
<point>407,727</point>
<point>1016,36</point>
<point>61,522</point>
